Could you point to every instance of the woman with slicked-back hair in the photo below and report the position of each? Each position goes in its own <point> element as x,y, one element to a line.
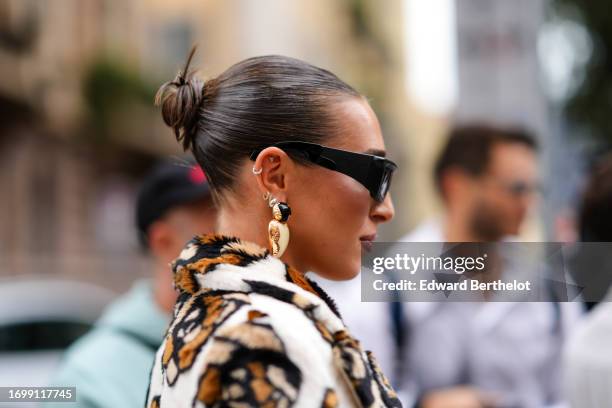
<point>295,160</point>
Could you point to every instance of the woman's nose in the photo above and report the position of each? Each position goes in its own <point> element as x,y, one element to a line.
<point>383,212</point>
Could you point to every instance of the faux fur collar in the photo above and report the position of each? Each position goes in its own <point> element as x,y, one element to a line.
<point>218,262</point>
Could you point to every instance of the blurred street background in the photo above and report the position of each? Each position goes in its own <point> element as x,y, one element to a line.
<point>79,129</point>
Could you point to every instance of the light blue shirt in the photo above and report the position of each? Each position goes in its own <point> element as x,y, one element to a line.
<point>110,366</point>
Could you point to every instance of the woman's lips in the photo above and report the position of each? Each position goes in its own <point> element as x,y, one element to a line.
<point>366,246</point>
<point>366,242</point>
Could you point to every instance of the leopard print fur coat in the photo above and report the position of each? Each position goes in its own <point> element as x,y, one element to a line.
<point>249,330</point>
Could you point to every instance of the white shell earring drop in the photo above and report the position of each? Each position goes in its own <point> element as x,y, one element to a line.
<point>278,231</point>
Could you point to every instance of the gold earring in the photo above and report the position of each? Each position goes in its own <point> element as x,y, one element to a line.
<point>278,231</point>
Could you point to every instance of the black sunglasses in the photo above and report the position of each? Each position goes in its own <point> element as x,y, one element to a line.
<point>373,172</point>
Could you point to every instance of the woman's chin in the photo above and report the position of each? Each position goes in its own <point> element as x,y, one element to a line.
<point>350,271</point>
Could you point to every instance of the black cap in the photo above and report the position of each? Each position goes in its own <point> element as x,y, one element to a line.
<point>167,186</point>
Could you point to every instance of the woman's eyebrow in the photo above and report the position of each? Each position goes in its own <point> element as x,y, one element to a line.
<point>376,152</point>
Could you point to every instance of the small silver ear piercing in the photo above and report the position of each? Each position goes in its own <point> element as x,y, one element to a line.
<point>266,196</point>
<point>257,171</point>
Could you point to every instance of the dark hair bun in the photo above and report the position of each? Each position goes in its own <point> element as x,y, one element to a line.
<point>256,102</point>
<point>180,101</point>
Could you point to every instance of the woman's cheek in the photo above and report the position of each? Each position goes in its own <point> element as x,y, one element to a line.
<point>352,214</point>
<point>337,207</point>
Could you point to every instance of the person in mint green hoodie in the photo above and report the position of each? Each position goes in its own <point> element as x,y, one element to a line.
<point>110,366</point>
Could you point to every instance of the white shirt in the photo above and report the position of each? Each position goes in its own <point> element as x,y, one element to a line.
<point>510,349</point>
<point>588,359</point>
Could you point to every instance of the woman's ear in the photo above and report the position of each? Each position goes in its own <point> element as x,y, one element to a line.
<point>273,166</point>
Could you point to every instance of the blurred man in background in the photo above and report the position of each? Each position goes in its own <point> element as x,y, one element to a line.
<point>474,355</point>
<point>486,178</point>
<point>588,356</point>
<point>110,365</point>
